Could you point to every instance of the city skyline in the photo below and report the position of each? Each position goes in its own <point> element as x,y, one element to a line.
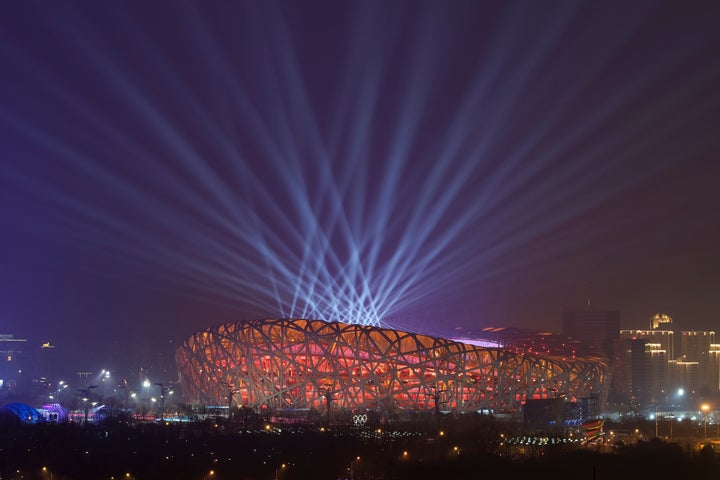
<point>169,167</point>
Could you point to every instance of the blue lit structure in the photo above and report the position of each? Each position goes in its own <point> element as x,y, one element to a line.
<point>25,413</point>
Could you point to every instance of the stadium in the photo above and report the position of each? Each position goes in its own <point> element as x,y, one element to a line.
<point>300,364</point>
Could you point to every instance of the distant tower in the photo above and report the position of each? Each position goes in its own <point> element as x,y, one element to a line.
<point>660,319</point>
<point>599,328</point>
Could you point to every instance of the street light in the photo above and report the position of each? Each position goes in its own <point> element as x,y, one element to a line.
<point>352,465</point>
<point>105,378</point>
<point>278,470</point>
<point>124,387</point>
<point>163,391</point>
<point>671,417</point>
<point>656,422</point>
<point>60,386</point>
<point>328,394</point>
<point>705,409</point>
<point>85,392</point>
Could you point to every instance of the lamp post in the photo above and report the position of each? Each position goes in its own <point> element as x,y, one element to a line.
<point>705,409</point>
<point>126,398</point>
<point>59,387</point>
<point>328,394</point>
<point>352,465</point>
<point>85,392</point>
<point>144,400</point>
<point>163,390</point>
<point>656,422</point>
<point>105,378</point>
<point>278,470</point>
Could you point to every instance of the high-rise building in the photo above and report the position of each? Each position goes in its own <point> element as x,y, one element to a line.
<point>657,361</point>
<point>686,375</point>
<point>596,328</point>
<point>10,360</point>
<point>646,370</point>
<point>648,379</point>
<point>649,368</point>
<point>666,338</point>
<point>714,367</point>
<point>638,370</point>
<point>695,347</point>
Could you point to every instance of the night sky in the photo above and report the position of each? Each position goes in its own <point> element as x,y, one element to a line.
<point>166,166</point>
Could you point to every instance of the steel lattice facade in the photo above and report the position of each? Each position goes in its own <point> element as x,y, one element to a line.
<point>291,363</point>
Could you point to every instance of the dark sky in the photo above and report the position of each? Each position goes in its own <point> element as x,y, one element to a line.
<point>166,166</point>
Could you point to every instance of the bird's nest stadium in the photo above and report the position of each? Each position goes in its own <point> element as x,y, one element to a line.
<point>299,364</point>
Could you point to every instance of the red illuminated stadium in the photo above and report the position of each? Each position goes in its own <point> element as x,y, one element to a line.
<point>296,364</point>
